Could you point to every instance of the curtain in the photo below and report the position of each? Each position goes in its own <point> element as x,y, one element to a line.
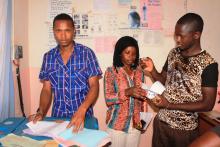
<point>6,76</point>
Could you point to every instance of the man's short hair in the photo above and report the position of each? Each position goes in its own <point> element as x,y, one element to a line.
<point>63,16</point>
<point>194,20</point>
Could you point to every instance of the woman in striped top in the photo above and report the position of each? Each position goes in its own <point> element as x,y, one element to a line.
<point>124,95</point>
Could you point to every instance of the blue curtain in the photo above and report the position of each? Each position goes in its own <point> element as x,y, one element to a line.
<point>6,77</point>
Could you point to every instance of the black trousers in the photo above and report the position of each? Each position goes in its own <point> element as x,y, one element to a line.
<point>165,136</point>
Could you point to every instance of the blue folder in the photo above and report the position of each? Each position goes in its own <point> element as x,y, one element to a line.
<point>10,125</point>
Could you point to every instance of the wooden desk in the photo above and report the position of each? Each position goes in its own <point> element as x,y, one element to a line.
<point>208,120</point>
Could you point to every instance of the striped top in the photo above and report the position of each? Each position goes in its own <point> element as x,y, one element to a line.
<point>121,108</point>
<point>69,82</point>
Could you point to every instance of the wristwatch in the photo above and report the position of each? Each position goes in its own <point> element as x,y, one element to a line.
<point>39,111</point>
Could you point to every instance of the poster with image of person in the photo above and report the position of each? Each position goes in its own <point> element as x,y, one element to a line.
<point>134,19</point>
<point>81,24</point>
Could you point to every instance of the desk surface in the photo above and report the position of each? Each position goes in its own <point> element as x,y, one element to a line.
<point>208,120</point>
<point>212,117</point>
<point>18,124</point>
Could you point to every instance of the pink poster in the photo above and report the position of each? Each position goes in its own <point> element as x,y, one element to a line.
<point>105,44</point>
<point>151,14</point>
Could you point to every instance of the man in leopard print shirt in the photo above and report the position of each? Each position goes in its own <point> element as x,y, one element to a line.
<point>190,76</point>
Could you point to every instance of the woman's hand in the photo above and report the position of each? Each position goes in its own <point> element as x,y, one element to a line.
<point>136,92</point>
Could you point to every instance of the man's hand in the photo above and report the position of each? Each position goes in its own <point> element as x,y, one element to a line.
<point>45,101</point>
<point>160,102</point>
<point>77,120</point>
<point>35,117</point>
<point>147,64</point>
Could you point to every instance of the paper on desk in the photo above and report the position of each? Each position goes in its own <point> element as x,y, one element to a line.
<point>65,136</point>
<point>147,117</point>
<point>46,128</point>
<point>12,140</point>
<point>154,89</point>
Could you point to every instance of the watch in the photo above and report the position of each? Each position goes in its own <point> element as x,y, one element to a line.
<point>40,112</point>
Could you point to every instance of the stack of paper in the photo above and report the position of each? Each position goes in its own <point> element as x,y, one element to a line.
<point>58,131</point>
<point>46,128</point>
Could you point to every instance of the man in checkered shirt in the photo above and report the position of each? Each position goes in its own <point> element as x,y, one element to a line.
<point>70,72</point>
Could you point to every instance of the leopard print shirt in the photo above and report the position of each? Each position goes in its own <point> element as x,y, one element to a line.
<point>183,85</point>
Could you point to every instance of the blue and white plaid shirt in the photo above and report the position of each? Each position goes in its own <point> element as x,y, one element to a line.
<point>69,82</point>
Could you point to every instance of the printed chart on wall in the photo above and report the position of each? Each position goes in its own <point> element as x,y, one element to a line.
<point>56,7</point>
<point>104,21</point>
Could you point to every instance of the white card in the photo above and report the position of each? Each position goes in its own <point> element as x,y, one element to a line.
<point>156,88</point>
